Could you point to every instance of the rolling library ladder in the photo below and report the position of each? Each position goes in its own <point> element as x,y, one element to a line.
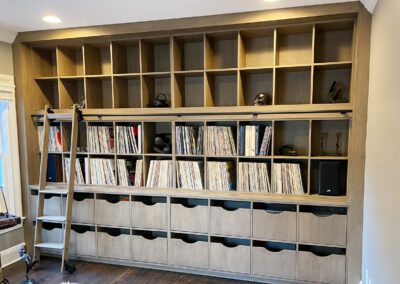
<point>68,191</point>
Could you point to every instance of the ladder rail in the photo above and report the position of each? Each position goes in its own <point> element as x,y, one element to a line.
<point>71,183</point>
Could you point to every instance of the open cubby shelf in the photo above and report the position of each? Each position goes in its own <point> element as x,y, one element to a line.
<point>200,70</point>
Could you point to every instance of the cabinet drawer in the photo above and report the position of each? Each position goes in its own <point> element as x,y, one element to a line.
<point>190,218</point>
<point>149,250</point>
<point>149,216</point>
<point>83,241</point>
<point>114,244</point>
<point>231,259</point>
<point>113,212</point>
<point>52,233</point>
<point>279,264</point>
<point>327,230</point>
<point>182,253</point>
<point>82,208</point>
<point>270,223</point>
<point>234,222</point>
<point>52,205</point>
<point>326,269</point>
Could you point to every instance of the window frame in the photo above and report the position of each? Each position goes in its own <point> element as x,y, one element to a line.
<point>13,178</point>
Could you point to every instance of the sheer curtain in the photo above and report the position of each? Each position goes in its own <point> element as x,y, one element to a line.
<point>4,153</point>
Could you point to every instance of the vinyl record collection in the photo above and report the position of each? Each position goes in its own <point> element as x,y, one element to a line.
<point>189,174</point>
<point>79,173</point>
<point>221,176</point>
<point>129,139</point>
<point>55,140</point>
<point>160,174</point>
<point>220,141</point>
<point>254,140</point>
<point>287,179</point>
<point>102,171</point>
<point>129,172</point>
<point>101,139</point>
<point>189,140</point>
<point>253,177</point>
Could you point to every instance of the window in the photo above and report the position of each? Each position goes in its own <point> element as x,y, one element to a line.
<point>9,156</point>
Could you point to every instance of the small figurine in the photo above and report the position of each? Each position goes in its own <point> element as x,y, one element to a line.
<point>322,145</point>
<point>335,92</point>
<point>338,142</point>
<point>261,99</point>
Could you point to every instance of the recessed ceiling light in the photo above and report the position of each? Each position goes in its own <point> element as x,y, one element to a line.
<point>51,19</point>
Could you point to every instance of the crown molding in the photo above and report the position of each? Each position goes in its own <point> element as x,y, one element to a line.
<point>7,35</point>
<point>369,5</point>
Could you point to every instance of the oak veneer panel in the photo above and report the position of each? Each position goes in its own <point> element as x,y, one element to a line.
<point>116,247</point>
<point>279,264</point>
<point>257,48</point>
<point>150,250</point>
<point>44,62</point>
<point>186,254</point>
<point>323,79</point>
<point>83,243</point>
<point>152,86</point>
<point>322,269</point>
<point>295,132</point>
<point>127,92</point>
<point>324,230</point>
<point>189,91</point>
<point>51,233</point>
<point>97,59</point>
<point>221,89</point>
<point>221,50</point>
<point>189,53</point>
<point>52,205</point>
<point>280,226</point>
<point>155,55</point>
<point>293,86</point>
<point>47,90</point>
<point>99,93</point>
<point>106,212</point>
<point>254,83</point>
<point>294,46</point>
<point>72,92</point>
<point>334,42</point>
<point>331,127</point>
<point>189,219</point>
<point>230,223</point>
<point>232,259</point>
<point>126,57</point>
<point>82,210</point>
<point>149,216</point>
<point>70,61</point>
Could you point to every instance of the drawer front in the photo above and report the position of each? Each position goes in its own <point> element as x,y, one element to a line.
<point>82,211</point>
<point>52,206</point>
<point>189,254</point>
<point>274,226</point>
<point>113,247</point>
<point>149,216</point>
<point>106,213</point>
<point>231,259</point>
<point>230,223</point>
<point>149,250</point>
<point>330,230</point>
<point>189,219</point>
<point>329,269</point>
<point>83,243</point>
<point>280,264</point>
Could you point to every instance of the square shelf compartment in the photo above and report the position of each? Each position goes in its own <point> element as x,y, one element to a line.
<point>127,92</point>
<point>294,133</point>
<point>154,85</point>
<point>294,45</point>
<point>70,60</point>
<point>82,137</point>
<point>221,89</point>
<point>328,130</point>
<point>334,42</point>
<point>293,86</point>
<point>189,53</point>
<point>47,90</point>
<point>324,76</point>
<point>97,59</point>
<point>334,176</point>
<point>262,126</point>
<point>303,163</point>
<point>45,62</point>
<point>155,55</point>
<point>151,131</point>
<point>189,90</point>
<point>221,50</point>
<point>253,83</point>
<point>256,48</point>
<point>126,58</point>
<point>130,163</point>
<point>72,91</point>
<point>99,93</point>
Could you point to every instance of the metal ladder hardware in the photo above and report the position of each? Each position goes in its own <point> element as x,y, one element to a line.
<point>72,117</point>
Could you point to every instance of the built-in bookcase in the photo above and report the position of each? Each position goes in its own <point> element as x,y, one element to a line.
<point>293,65</point>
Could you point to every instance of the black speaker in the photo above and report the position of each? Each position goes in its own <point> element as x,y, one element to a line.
<point>331,178</point>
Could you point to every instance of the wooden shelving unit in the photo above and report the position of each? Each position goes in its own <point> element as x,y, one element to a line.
<point>211,70</point>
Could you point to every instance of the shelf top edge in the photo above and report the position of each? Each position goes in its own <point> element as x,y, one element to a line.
<point>216,195</point>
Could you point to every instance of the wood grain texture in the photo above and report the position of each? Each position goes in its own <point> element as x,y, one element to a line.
<point>106,212</point>
<point>268,226</point>
<point>230,223</point>
<point>116,247</point>
<point>182,253</point>
<point>189,219</point>
<point>281,264</point>
<point>147,250</point>
<point>232,259</point>
<point>149,216</point>
<point>83,243</point>
<point>82,210</point>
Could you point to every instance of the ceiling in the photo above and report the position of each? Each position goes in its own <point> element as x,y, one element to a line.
<point>26,15</point>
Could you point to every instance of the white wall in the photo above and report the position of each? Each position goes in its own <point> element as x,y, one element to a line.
<point>6,63</point>
<point>381,243</point>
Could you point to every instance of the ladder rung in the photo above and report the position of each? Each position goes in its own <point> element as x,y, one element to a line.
<point>54,191</point>
<point>58,246</point>
<point>52,219</point>
<point>61,116</point>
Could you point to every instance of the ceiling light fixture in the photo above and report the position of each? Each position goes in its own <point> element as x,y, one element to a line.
<point>51,19</point>
<point>271,0</point>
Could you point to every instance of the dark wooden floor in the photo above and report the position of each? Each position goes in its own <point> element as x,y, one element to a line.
<point>87,272</point>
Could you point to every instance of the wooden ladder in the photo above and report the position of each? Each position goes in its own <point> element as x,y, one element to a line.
<point>68,190</point>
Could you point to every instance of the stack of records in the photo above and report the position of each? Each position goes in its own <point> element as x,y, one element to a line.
<point>220,141</point>
<point>129,139</point>
<point>55,140</point>
<point>287,179</point>
<point>101,139</point>
<point>250,140</point>
<point>79,173</point>
<point>160,174</point>
<point>129,172</point>
<point>253,177</point>
<point>189,140</point>
<point>189,174</point>
<point>221,176</point>
<point>102,171</point>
